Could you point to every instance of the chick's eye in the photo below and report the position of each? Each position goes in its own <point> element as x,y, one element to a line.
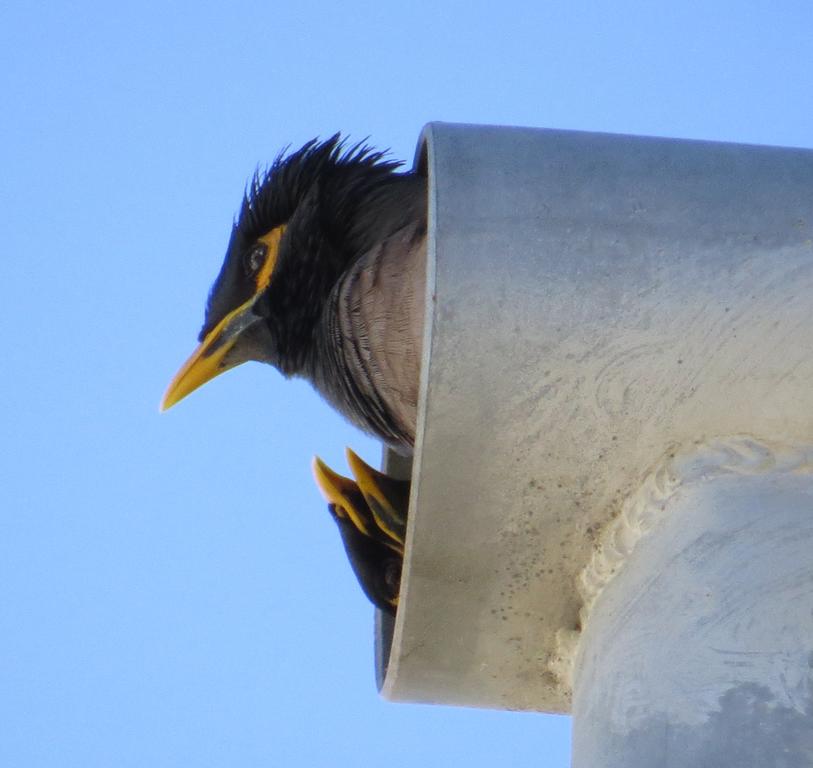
<point>254,260</point>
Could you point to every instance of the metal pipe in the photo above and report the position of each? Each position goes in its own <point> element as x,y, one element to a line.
<point>700,650</point>
<point>597,307</point>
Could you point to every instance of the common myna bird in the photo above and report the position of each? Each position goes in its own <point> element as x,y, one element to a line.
<point>324,279</point>
<point>371,516</point>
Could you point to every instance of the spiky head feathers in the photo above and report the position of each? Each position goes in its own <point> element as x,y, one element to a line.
<point>315,193</point>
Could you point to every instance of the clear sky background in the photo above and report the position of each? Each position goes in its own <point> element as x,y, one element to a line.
<point>172,590</point>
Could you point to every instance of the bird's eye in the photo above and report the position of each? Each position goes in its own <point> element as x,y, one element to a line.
<point>254,260</point>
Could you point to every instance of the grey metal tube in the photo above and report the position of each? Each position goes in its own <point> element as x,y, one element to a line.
<point>596,305</point>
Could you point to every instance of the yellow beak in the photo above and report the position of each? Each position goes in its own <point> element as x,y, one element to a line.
<point>209,359</point>
<point>341,492</point>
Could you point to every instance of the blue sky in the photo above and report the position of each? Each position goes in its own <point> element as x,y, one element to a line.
<point>172,591</point>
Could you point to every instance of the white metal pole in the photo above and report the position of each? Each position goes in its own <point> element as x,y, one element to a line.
<point>611,504</point>
<point>699,650</point>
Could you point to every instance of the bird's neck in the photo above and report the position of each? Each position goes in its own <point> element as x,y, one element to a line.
<point>333,368</point>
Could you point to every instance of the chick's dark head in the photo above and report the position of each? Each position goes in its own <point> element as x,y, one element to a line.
<point>301,224</point>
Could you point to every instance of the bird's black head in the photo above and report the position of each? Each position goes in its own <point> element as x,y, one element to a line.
<point>299,228</point>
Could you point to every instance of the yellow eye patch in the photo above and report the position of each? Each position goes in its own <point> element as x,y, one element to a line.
<point>271,241</point>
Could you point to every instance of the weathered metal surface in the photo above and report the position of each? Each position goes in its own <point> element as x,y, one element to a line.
<point>700,650</point>
<point>594,303</point>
